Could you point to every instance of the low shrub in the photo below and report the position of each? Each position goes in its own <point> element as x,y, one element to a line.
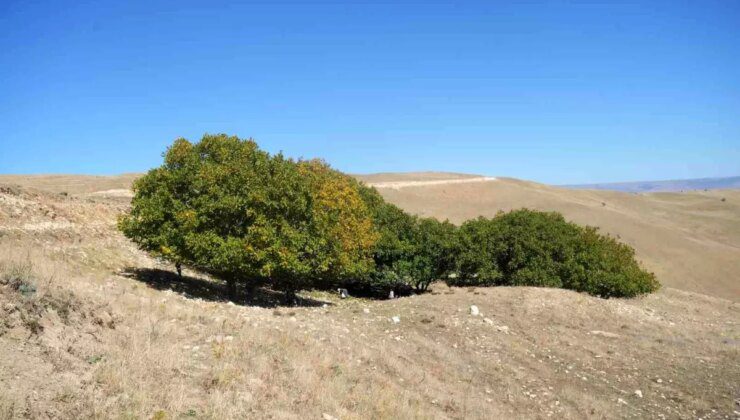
<point>19,277</point>
<point>532,248</point>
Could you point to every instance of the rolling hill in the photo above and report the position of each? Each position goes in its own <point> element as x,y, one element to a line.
<point>122,336</point>
<point>690,240</point>
<point>666,186</point>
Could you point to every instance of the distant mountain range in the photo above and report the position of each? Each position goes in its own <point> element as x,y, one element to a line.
<point>732,182</point>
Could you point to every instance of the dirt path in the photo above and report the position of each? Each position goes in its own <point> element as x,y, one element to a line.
<point>404,184</point>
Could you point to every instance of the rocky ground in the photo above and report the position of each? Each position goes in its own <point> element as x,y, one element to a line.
<point>93,328</point>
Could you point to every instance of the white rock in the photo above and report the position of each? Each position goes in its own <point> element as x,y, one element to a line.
<point>488,321</point>
<point>328,417</point>
<point>396,319</point>
<point>621,401</point>
<point>474,310</point>
<point>638,393</point>
<point>365,310</point>
<point>604,334</point>
<point>502,328</point>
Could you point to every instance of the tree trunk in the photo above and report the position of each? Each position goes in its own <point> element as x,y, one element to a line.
<point>251,291</point>
<point>290,297</point>
<point>231,289</point>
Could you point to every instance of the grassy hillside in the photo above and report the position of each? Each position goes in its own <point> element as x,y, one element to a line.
<point>122,337</point>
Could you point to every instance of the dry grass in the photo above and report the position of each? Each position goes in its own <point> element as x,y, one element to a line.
<point>130,348</point>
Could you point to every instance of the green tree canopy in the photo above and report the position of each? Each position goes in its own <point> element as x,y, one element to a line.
<point>224,206</point>
<point>531,248</point>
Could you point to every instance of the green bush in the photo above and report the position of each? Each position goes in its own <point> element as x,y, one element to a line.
<point>411,252</point>
<point>531,248</point>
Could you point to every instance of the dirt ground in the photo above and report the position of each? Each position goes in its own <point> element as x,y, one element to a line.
<point>93,328</point>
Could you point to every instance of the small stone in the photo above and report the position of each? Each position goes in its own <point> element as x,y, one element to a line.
<point>503,329</point>
<point>604,334</point>
<point>474,310</point>
<point>365,310</point>
<point>621,401</point>
<point>326,416</point>
<point>104,319</point>
<point>638,393</point>
<point>660,381</point>
<point>488,321</point>
<point>396,319</point>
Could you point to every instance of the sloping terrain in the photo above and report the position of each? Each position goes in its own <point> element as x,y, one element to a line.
<point>71,184</point>
<point>732,182</point>
<point>690,240</point>
<point>121,336</point>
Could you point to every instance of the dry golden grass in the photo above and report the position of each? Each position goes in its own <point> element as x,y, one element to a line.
<point>70,184</point>
<point>133,347</point>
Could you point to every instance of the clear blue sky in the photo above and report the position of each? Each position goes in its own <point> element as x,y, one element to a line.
<point>558,92</point>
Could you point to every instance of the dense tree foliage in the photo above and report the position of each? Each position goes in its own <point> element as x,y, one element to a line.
<point>531,248</point>
<point>410,253</point>
<point>226,207</point>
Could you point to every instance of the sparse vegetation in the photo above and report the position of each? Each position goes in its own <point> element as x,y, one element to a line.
<point>18,276</point>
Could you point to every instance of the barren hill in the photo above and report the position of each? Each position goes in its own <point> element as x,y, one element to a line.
<point>90,327</point>
<point>732,182</point>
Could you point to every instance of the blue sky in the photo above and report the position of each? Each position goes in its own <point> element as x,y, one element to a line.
<point>557,92</point>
